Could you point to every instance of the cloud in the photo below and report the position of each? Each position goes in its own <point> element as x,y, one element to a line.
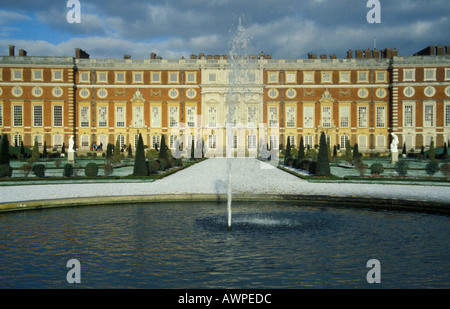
<point>285,29</point>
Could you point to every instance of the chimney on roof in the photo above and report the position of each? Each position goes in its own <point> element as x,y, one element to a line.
<point>11,50</point>
<point>447,51</point>
<point>333,56</point>
<point>152,56</point>
<point>312,56</point>
<point>359,54</point>
<point>81,54</point>
<point>349,54</point>
<point>126,56</point>
<point>440,50</point>
<point>368,53</point>
<point>376,54</point>
<point>22,53</point>
<point>323,56</point>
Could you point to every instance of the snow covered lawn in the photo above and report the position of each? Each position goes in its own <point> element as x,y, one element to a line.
<point>249,176</point>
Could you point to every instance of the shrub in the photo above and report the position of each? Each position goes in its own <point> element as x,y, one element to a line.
<point>172,162</point>
<point>432,167</point>
<point>152,154</point>
<point>152,167</point>
<point>376,169</point>
<point>179,162</point>
<point>313,168</point>
<point>163,164</point>
<point>311,154</point>
<point>361,167</point>
<point>108,169</point>
<point>39,170</point>
<point>445,169</point>
<point>26,169</point>
<point>5,170</point>
<point>288,161</point>
<point>91,169</point>
<point>294,163</point>
<point>401,167</point>
<point>57,163</point>
<point>68,170</point>
<point>4,150</point>
<point>303,165</point>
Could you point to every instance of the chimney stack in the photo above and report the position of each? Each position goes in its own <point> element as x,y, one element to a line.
<point>376,54</point>
<point>81,54</point>
<point>126,56</point>
<point>152,56</point>
<point>368,53</point>
<point>359,54</point>
<point>349,54</point>
<point>11,50</point>
<point>440,50</point>
<point>22,53</point>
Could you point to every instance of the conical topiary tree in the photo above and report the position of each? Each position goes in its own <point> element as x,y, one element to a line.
<point>348,152</point>
<point>301,151</point>
<point>35,153</point>
<point>431,153</point>
<point>356,154</point>
<point>4,151</point>
<point>323,165</point>
<point>116,155</point>
<point>163,151</point>
<point>140,164</point>
<point>287,153</point>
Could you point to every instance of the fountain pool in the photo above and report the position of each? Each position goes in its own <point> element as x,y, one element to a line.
<point>186,245</point>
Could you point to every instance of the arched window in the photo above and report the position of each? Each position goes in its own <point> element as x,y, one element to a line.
<point>362,141</point>
<point>84,140</point>
<point>344,139</point>
<point>156,141</point>
<point>57,140</point>
<point>381,142</point>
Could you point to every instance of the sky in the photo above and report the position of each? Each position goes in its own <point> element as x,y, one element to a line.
<point>172,29</point>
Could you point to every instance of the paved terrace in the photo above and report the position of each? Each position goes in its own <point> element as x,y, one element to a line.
<point>251,179</point>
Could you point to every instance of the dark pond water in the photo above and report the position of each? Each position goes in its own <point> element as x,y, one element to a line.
<point>188,246</point>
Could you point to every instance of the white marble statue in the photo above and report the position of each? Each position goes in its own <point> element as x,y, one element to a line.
<point>394,143</point>
<point>71,144</point>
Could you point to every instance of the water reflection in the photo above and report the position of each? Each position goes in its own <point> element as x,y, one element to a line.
<point>188,246</point>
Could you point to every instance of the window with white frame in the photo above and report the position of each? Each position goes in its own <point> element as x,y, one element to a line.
<point>409,91</point>
<point>173,116</point>
<point>102,140</point>
<point>409,141</point>
<point>102,77</point>
<point>16,74</point>
<point>121,139</point>
<point>326,116</point>
<point>212,141</point>
<point>138,77</point>
<point>138,115</point>
<point>57,140</point>
<point>429,74</point>
<point>38,138</point>
<point>84,77</point>
<point>344,139</point>
<point>409,75</point>
<point>380,77</point>
<point>308,116</point>
<point>235,141</point>
<point>120,77</point>
<point>57,75</point>
<point>309,141</point>
<point>326,77</point>
<point>17,116</point>
<point>381,117</point>
<point>173,77</point>
<point>344,77</point>
<point>408,114</point>
<point>84,116</point>
<point>37,91</point>
<point>273,77</point>
<point>17,139</point>
<point>136,140</point>
<point>102,116</point>
<point>447,74</point>
<point>156,116</point>
<point>156,141</point>
<point>363,77</point>
<point>428,115</point>
<point>84,140</point>
<point>57,116</point>
<point>380,142</point>
<point>251,116</point>
<point>427,140</point>
<point>447,115</point>
<point>362,116</point>
<point>273,142</point>
<point>212,77</point>
<point>308,77</point>
<point>191,115</point>
<point>212,116</point>
<point>362,141</point>
<point>156,77</point>
<point>290,117</point>
<point>291,139</point>
<point>251,140</point>
<point>191,77</point>
<point>344,116</point>
<point>273,117</point>
<point>120,116</point>
<point>37,75</point>
<point>37,115</point>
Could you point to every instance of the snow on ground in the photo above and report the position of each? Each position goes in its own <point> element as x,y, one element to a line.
<point>210,176</point>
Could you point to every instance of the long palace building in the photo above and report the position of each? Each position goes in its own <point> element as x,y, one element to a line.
<point>362,98</point>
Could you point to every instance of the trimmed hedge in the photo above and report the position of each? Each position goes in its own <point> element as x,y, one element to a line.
<point>68,170</point>
<point>91,169</point>
<point>39,170</point>
<point>5,170</point>
<point>376,169</point>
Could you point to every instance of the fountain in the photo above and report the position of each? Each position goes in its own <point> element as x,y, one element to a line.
<point>238,78</point>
